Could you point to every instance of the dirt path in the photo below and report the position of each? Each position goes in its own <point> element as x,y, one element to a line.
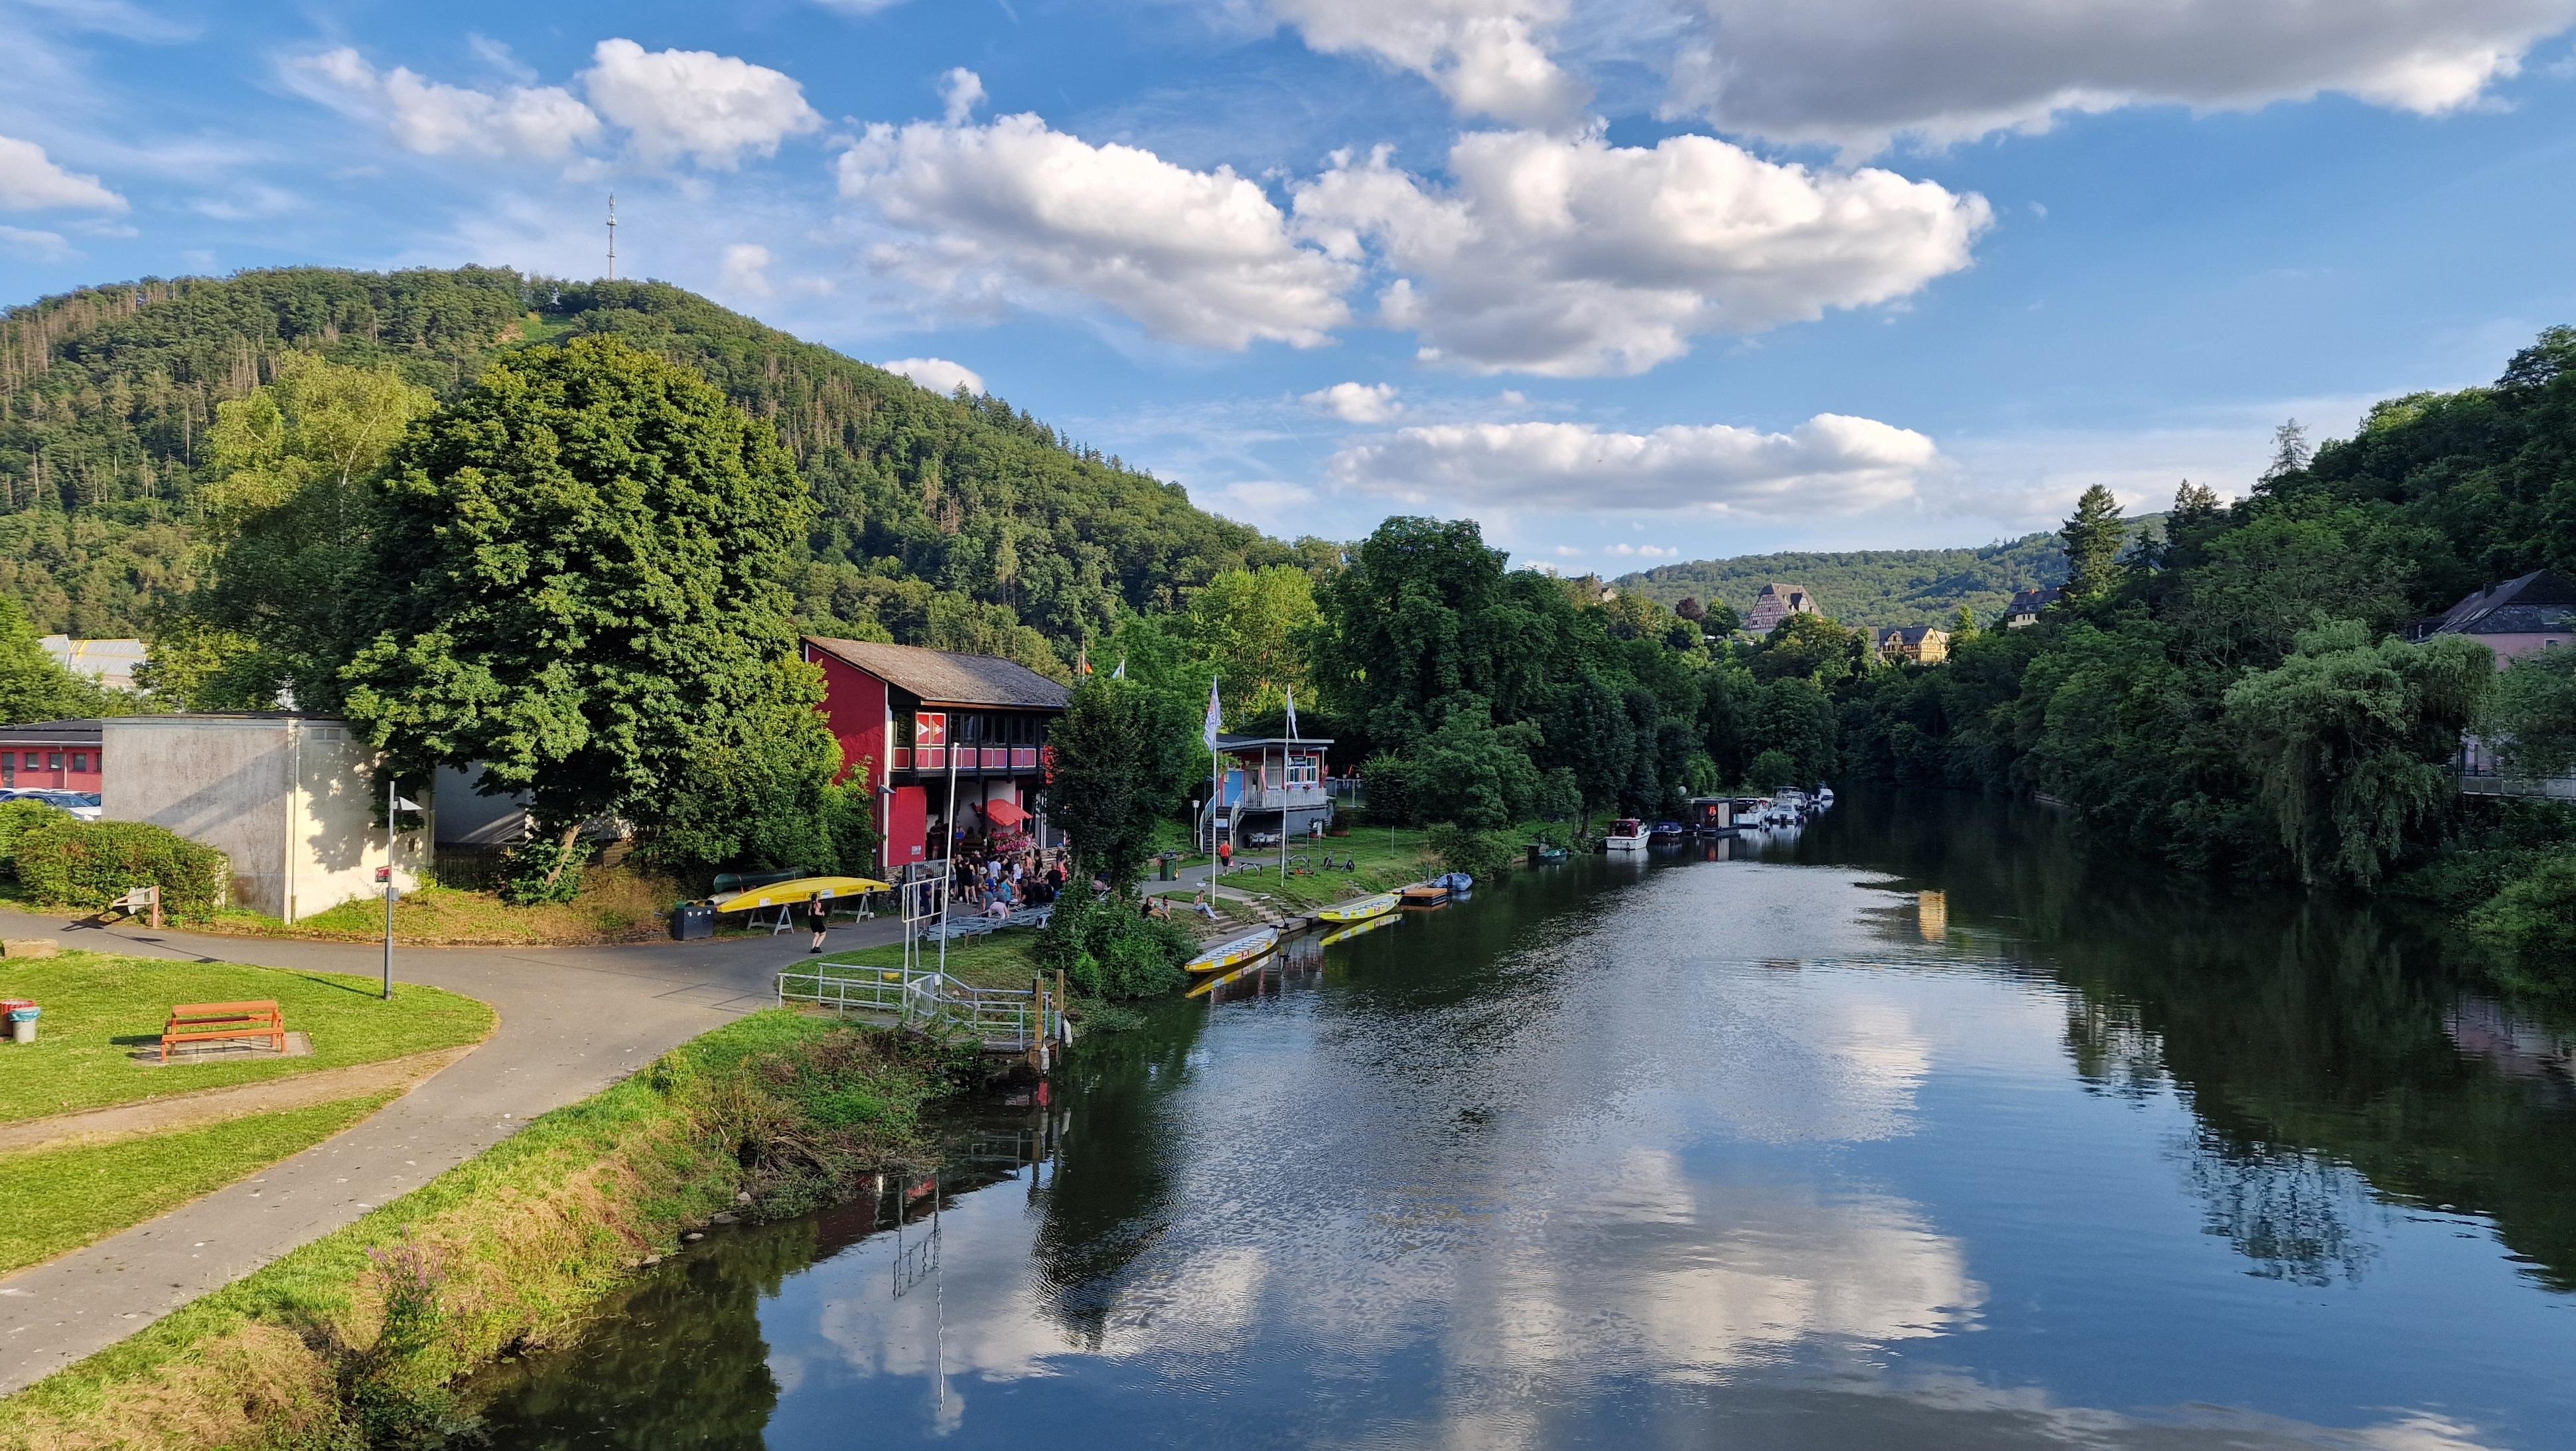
<point>217,1105</point>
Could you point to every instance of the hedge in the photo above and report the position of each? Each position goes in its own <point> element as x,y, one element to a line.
<point>73,863</point>
<point>17,816</point>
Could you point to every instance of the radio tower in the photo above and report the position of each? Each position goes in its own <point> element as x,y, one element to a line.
<point>612,236</point>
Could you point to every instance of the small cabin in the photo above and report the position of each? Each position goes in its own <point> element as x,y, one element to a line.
<point>1270,786</point>
<point>1709,813</point>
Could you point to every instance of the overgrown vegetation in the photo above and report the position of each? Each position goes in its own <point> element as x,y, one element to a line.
<point>61,860</point>
<point>355,1340</point>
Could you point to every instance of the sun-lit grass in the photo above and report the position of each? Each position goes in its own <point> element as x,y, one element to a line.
<point>53,1201</point>
<point>996,959</point>
<point>617,904</point>
<point>98,1010</point>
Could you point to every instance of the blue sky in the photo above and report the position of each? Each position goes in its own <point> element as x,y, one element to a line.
<point>1628,280</point>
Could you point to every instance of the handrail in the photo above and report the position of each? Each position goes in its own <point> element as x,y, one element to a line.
<point>929,1000</point>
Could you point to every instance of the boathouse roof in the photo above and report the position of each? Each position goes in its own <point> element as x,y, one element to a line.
<point>943,677</point>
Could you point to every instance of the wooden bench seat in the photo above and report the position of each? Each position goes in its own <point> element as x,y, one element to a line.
<point>217,1022</point>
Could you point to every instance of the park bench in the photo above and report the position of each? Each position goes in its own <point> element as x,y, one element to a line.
<point>218,1022</point>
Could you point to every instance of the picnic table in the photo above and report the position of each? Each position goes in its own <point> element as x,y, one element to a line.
<point>222,1022</point>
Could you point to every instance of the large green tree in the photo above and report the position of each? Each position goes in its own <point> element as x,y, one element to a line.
<point>582,562</point>
<point>1119,769</point>
<point>1253,627</point>
<point>2530,715</point>
<point>34,686</point>
<point>2093,536</point>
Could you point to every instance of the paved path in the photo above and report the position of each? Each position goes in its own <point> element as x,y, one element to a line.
<point>573,1021</point>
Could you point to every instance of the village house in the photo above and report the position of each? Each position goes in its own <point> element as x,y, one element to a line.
<point>57,755</point>
<point>2520,618</point>
<point>1915,644</point>
<point>1777,603</point>
<point>919,722</point>
<point>2027,604</point>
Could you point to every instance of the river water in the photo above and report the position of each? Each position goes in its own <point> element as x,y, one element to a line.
<point>1911,1130</point>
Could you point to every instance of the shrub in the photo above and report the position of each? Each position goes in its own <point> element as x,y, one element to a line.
<point>77,863</point>
<point>524,868</point>
<point>2533,921</point>
<point>1387,780</point>
<point>1107,951</point>
<point>16,817</point>
<point>1483,855</point>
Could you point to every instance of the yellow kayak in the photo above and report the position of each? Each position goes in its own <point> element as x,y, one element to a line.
<point>803,889</point>
<point>1213,982</point>
<point>1234,954</point>
<point>1360,909</point>
<point>1371,925</point>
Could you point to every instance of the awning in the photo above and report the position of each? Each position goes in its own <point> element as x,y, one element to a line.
<point>1003,813</point>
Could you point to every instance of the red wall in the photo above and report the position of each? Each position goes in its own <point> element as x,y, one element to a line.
<point>51,777</point>
<point>907,820</point>
<point>854,704</point>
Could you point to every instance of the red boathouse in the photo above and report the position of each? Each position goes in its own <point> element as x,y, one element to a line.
<point>914,718</point>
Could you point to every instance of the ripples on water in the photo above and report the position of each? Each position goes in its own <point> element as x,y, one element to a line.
<point>1910,1133</point>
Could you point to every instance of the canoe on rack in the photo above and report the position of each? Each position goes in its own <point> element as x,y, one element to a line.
<point>803,889</point>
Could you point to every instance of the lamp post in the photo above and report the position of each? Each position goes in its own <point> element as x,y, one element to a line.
<point>385,874</point>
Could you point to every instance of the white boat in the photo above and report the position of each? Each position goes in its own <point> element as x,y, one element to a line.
<point>1626,834</point>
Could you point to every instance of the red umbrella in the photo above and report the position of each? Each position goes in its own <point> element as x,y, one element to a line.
<point>1003,813</point>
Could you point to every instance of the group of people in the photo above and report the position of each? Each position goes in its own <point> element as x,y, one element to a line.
<point>998,883</point>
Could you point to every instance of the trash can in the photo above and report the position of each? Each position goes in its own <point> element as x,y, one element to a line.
<point>693,920</point>
<point>22,1024</point>
<point>1167,873</point>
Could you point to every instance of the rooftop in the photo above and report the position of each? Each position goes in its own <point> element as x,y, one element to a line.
<point>48,732</point>
<point>2538,603</point>
<point>942,677</point>
<point>1237,743</point>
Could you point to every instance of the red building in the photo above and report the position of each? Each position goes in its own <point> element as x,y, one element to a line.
<point>919,720</point>
<point>61,755</point>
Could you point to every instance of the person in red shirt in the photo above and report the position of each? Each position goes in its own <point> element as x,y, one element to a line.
<point>1224,856</point>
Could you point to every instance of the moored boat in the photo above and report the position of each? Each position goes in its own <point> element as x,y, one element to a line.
<point>1626,834</point>
<point>1667,833</point>
<point>1455,881</point>
<point>1425,894</point>
<point>1235,953</point>
<point>1360,909</point>
<point>1543,853</point>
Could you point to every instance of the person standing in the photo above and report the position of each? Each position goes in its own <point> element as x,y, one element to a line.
<point>1224,855</point>
<point>818,916</point>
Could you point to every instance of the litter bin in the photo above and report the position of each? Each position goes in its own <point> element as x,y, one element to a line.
<point>1167,874</point>
<point>693,920</point>
<point>22,1024</point>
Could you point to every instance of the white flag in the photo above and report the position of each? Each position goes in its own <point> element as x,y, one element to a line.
<point>1121,672</point>
<point>1292,712</point>
<point>1215,718</point>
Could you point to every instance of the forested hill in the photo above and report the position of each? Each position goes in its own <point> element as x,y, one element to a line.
<point>958,522</point>
<point>1877,587</point>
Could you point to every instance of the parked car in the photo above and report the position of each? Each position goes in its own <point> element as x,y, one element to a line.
<point>83,804</point>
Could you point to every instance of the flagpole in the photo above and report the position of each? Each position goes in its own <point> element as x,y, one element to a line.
<point>1287,784</point>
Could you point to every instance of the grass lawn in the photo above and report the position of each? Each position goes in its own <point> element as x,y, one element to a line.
<point>617,904</point>
<point>99,1009</point>
<point>996,959</point>
<point>54,1201</point>
<point>1387,859</point>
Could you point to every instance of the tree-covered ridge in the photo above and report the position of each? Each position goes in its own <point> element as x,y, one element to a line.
<point>956,521</point>
<point>1881,588</point>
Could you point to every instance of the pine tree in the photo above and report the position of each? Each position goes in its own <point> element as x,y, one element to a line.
<point>2093,536</point>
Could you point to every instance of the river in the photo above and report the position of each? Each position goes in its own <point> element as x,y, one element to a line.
<point>1915,1129</point>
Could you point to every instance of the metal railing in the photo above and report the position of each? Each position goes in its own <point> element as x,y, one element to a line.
<point>930,1001</point>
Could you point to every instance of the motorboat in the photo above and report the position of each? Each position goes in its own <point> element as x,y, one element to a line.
<point>1626,834</point>
<point>1824,796</point>
<point>1455,881</point>
<point>1542,853</point>
<point>1360,909</point>
<point>1233,954</point>
<point>1667,833</point>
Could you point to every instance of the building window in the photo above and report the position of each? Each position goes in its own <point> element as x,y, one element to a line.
<point>1302,770</point>
<point>53,760</point>
<point>34,761</point>
<point>80,760</point>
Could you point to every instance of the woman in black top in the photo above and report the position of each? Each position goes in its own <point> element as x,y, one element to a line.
<point>818,915</point>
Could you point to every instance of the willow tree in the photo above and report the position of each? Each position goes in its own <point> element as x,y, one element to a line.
<point>579,573</point>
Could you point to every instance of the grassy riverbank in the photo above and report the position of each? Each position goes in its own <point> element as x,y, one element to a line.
<point>354,1339</point>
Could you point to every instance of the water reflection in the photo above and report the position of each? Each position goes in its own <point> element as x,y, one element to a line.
<point>1898,1131</point>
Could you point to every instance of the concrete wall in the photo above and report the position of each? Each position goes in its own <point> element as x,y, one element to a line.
<point>286,798</point>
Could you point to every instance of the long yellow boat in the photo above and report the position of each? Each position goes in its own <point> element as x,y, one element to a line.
<point>1360,909</point>
<point>1213,981</point>
<point>1371,925</point>
<point>1233,954</point>
<point>803,889</point>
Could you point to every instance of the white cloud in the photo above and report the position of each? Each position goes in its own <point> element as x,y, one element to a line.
<point>435,119</point>
<point>960,92</point>
<point>35,245</point>
<point>696,103</point>
<point>1641,551</point>
<point>1569,257</point>
<point>937,374</point>
<point>746,269</point>
<point>1860,73</point>
<point>1487,56</point>
<point>1355,402</point>
<point>999,211</point>
<point>1264,504</point>
<point>30,181</point>
<point>1830,464</point>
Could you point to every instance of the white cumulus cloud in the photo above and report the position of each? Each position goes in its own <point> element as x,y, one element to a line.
<point>960,92</point>
<point>1859,74</point>
<point>1355,402</point>
<point>1641,551</point>
<point>30,181</point>
<point>1489,57</point>
<point>35,244</point>
<point>435,119</point>
<point>1571,257</point>
<point>714,108</point>
<point>746,269</point>
<point>937,374</point>
<point>1830,464</point>
<point>994,213</point>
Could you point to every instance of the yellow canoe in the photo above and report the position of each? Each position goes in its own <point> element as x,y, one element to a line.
<point>1233,954</point>
<point>1214,981</point>
<point>1360,909</point>
<point>803,889</point>
<point>1371,925</point>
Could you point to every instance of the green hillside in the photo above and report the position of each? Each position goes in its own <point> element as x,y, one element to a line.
<point>958,522</point>
<point>1876,587</point>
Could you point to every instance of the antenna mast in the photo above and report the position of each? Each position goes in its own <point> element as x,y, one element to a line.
<point>612,236</point>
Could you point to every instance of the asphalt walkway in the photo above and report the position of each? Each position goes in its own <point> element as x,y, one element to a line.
<point>573,1021</point>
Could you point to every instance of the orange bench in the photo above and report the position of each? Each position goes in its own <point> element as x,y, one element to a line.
<point>207,1023</point>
